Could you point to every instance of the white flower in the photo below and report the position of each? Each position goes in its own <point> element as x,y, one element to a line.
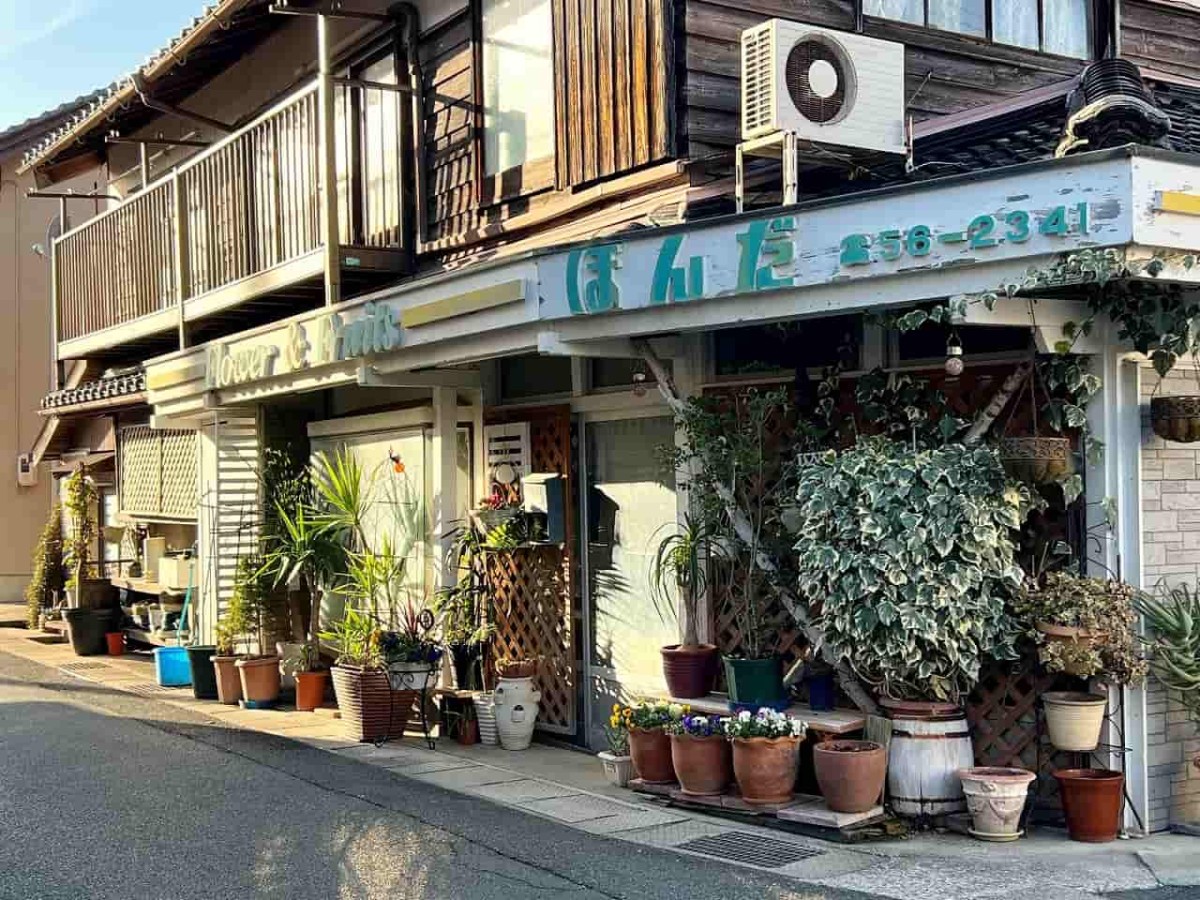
<point>744,715</point>
<point>799,727</point>
<point>675,710</point>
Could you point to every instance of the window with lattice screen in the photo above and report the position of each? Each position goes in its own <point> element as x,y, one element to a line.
<point>157,474</point>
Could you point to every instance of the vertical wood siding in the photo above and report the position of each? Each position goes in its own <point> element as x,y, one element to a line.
<point>1161,37</point>
<point>448,68</point>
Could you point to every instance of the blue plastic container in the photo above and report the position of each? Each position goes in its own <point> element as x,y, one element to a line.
<point>171,667</point>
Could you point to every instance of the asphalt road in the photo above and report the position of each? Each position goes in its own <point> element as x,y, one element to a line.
<point>101,796</point>
<point>108,795</point>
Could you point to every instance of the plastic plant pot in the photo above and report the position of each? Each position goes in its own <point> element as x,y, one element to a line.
<point>116,643</point>
<point>204,676</point>
<point>171,667</point>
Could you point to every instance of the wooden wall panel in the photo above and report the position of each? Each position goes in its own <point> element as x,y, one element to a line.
<point>944,73</point>
<point>1162,36</point>
<point>448,68</point>
<point>616,80</point>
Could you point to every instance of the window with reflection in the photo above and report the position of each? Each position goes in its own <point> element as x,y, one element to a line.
<point>1051,26</point>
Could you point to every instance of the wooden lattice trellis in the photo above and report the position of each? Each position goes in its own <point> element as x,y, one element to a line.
<point>532,587</point>
<point>158,475</point>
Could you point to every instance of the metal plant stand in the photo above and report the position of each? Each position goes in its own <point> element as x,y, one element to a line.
<point>408,681</point>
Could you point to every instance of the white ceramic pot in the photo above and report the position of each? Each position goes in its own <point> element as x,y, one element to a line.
<point>1074,719</point>
<point>516,712</point>
<point>412,676</point>
<point>485,714</point>
<point>996,798</point>
<point>617,769</point>
<point>291,661</point>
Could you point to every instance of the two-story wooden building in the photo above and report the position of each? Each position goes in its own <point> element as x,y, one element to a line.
<point>432,230</point>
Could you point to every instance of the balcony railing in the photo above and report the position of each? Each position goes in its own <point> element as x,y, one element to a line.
<point>249,205</point>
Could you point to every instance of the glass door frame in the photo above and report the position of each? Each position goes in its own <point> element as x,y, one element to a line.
<point>596,414</point>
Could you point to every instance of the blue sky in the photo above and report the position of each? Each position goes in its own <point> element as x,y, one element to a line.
<point>52,51</point>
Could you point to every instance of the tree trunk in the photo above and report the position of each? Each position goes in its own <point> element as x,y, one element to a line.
<point>795,606</point>
<point>988,415</point>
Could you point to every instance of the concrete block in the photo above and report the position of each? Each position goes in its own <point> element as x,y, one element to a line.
<point>1179,501</point>
<point>1164,754</point>
<point>1173,487</point>
<point>1167,521</point>
<point>1152,490</point>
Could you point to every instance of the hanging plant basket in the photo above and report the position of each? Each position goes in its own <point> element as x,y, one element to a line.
<point>1037,460</point>
<point>1176,418</point>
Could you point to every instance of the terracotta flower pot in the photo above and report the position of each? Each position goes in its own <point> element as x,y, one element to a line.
<point>1074,719</point>
<point>116,643</point>
<point>310,690</point>
<point>689,671</point>
<point>260,680</point>
<point>703,765</point>
<point>370,712</point>
<point>1092,801</point>
<point>229,682</point>
<point>850,774</point>
<point>651,752</point>
<point>765,768</point>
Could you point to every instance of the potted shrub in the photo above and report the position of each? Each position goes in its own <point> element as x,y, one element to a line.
<point>231,632</point>
<point>850,774</point>
<point>700,755</point>
<point>364,694</point>
<point>81,505</point>
<point>766,748</point>
<point>460,609</point>
<point>47,581</point>
<point>649,745</point>
<point>909,557</point>
<point>617,763</point>
<point>679,570</point>
<point>741,486</point>
<point>996,798</point>
<point>411,655</point>
<point>258,671</point>
<point>1085,627</point>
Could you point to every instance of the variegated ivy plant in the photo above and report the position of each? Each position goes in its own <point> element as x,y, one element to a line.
<point>908,557</point>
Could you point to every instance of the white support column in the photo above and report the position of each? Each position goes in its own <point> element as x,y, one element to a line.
<point>327,163</point>
<point>478,449</point>
<point>688,371</point>
<point>445,474</point>
<point>1115,418</point>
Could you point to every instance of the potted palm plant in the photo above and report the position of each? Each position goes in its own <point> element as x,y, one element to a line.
<point>679,569</point>
<point>364,694</point>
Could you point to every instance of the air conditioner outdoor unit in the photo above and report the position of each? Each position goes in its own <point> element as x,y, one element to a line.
<point>828,87</point>
<point>27,474</point>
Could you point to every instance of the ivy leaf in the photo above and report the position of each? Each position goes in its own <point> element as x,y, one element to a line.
<point>1163,361</point>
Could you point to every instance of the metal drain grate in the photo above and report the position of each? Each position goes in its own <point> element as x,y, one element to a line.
<point>146,688</point>
<point>750,849</point>
<point>84,666</point>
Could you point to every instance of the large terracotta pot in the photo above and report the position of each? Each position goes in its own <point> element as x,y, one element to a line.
<point>765,768</point>
<point>229,682</point>
<point>1092,802</point>
<point>689,670</point>
<point>651,752</point>
<point>368,709</point>
<point>850,774</point>
<point>1074,719</point>
<point>703,765</point>
<point>260,680</point>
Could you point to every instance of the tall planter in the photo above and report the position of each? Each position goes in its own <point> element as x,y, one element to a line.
<point>369,711</point>
<point>1074,719</point>
<point>86,628</point>
<point>651,752</point>
<point>229,682</point>
<point>260,681</point>
<point>850,774</point>
<point>515,706</point>
<point>467,660</point>
<point>765,768</point>
<point>204,676</point>
<point>689,671</point>
<point>755,683</point>
<point>702,765</point>
<point>1092,802</point>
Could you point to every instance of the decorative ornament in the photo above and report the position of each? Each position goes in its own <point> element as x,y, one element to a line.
<point>639,379</point>
<point>954,356</point>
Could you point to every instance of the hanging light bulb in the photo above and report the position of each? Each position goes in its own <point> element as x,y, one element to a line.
<point>954,356</point>
<point>639,379</point>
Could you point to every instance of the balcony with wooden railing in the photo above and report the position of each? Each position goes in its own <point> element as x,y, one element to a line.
<point>242,223</point>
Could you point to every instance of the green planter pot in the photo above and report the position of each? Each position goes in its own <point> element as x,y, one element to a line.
<point>755,683</point>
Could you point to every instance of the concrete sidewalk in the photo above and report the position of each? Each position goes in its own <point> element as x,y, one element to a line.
<point>569,788</point>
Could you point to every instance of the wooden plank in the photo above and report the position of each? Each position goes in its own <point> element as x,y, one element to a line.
<point>574,80</point>
<point>640,79</point>
<point>588,111</point>
<point>606,98</point>
<point>624,99</point>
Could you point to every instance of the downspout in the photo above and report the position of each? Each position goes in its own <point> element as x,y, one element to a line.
<point>416,85</point>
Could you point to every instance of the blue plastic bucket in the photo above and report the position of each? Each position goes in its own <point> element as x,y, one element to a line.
<point>171,667</point>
